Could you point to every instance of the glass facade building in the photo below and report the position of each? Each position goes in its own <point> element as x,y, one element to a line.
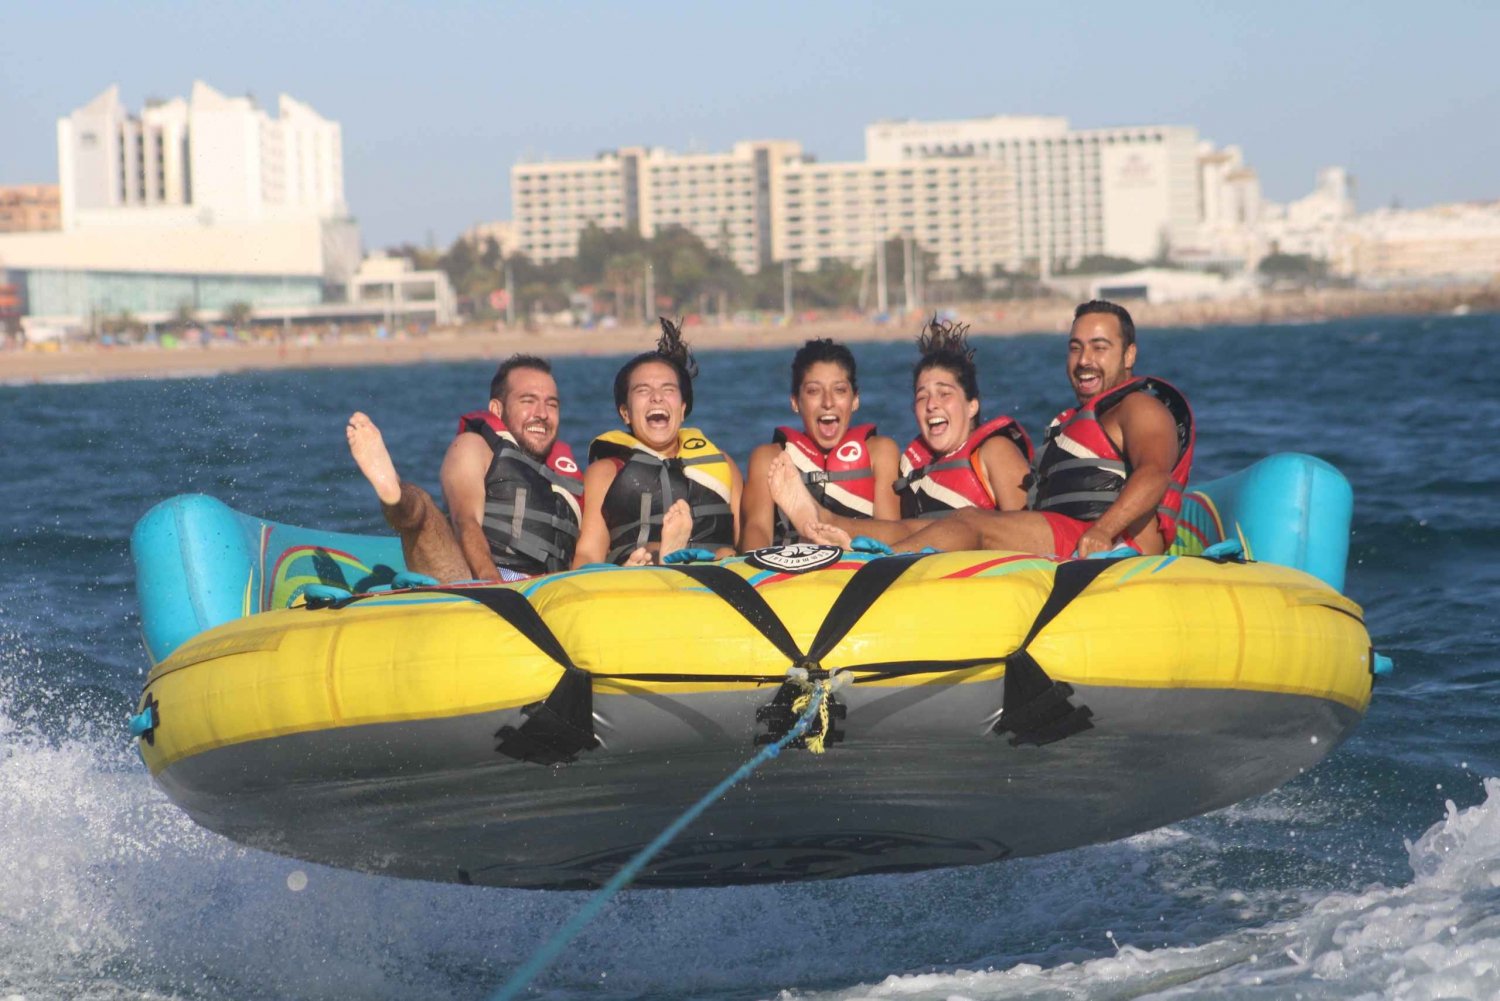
<point>83,293</point>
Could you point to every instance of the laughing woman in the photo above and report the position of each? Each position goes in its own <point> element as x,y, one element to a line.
<point>848,468</point>
<point>958,459</point>
<point>657,487</point>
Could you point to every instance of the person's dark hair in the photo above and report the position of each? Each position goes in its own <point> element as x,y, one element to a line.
<point>671,349</point>
<point>509,365</point>
<point>822,349</point>
<point>944,344</point>
<point>1127,325</point>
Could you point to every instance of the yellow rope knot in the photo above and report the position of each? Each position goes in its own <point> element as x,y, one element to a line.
<point>814,742</point>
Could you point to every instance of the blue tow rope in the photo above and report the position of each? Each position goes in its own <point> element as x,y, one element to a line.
<point>544,956</point>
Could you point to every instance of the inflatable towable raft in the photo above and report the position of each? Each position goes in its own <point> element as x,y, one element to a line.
<point>303,700</point>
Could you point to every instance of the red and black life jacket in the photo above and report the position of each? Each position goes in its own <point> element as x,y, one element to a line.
<point>1080,472</point>
<point>840,479</point>
<point>532,508</point>
<point>931,486</point>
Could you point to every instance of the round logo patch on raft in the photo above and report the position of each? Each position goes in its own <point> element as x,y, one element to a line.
<point>799,557</point>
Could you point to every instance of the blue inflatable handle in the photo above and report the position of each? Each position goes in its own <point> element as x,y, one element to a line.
<point>410,578</point>
<point>865,544</point>
<point>326,592</point>
<point>1381,665</point>
<point>689,556</point>
<point>143,722</point>
<point>1119,552</point>
<point>1226,550</point>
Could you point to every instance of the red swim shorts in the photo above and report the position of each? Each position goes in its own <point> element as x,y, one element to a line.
<point>1067,531</point>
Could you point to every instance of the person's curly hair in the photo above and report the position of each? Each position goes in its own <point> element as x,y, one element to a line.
<point>670,349</point>
<point>945,344</point>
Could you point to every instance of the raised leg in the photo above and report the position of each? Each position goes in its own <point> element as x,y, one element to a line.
<point>427,541</point>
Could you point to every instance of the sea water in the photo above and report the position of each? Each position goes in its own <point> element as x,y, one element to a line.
<point>1375,875</point>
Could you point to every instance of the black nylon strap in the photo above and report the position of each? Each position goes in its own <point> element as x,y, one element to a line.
<point>513,607</point>
<point>561,726</point>
<point>1068,583</point>
<point>1035,708</point>
<point>868,584</point>
<point>864,588</point>
<point>739,595</point>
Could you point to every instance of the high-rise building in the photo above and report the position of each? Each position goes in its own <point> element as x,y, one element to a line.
<point>1125,192</point>
<point>210,158</point>
<point>723,198</point>
<point>198,203</point>
<point>960,210</point>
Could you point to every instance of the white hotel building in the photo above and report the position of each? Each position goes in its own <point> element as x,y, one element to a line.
<point>205,202</point>
<point>1007,192</point>
<point>1127,192</point>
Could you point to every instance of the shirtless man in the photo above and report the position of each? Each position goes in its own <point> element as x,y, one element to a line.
<point>513,490</point>
<point>1111,470</point>
<point>657,487</point>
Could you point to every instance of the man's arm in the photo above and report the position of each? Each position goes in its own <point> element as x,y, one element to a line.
<point>757,510</point>
<point>885,466</point>
<point>1005,468</point>
<point>462,476</point>
<point>593,534</point>
<point>1149,441</point>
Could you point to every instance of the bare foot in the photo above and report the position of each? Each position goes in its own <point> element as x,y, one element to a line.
<point>790,494</point>
<point>676,527</point>
<point>370,455</point>
<point>826,535</point>
<point>640,558</point>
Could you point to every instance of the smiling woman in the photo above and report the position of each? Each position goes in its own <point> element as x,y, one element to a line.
<point>848,468</point>
<point>657,486</point>
<point>958,460</point>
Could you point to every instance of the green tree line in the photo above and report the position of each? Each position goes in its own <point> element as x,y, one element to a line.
<point>615,271</point>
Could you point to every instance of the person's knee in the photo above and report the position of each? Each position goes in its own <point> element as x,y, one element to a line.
<point>414,496</point>
<point>412,510</point>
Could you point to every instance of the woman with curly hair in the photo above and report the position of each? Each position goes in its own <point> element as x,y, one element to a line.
<point>657,487</point>
<point>958,460</point>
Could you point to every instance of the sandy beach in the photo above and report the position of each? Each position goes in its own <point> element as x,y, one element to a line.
<point>87,363</point>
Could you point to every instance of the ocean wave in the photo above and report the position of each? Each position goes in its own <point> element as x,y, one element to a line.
<point>1434,937</point>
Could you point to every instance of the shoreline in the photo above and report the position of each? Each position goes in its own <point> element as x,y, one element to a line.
<point>94,363</point>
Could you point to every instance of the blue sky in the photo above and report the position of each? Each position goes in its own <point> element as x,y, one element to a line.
<point>437,100</point>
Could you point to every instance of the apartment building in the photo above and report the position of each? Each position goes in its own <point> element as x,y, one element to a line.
<point>29,208</point>
<point>1126,192</point>
<point>723,198</point>
<point>1010,192</point>
<point>961,210</point>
